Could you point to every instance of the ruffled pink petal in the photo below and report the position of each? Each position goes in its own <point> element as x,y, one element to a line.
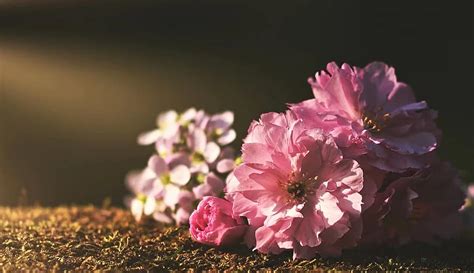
<point>328,204</point>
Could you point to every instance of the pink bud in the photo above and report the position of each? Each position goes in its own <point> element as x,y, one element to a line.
<point>212,223</point>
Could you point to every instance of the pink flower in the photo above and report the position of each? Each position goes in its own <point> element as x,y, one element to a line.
<point>168,182</point>
<point>202,152</point>
<point>373,117</point>
<point>167,126</point>
<point>296,189</point>
<point>219,128</point>
<point>422,206</point>
<point>212,223</point>
<point>192,161</point>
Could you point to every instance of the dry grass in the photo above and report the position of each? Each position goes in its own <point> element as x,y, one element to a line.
<point>87,238</point>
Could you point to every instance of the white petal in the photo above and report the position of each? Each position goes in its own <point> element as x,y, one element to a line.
<point>171,131</point>
<point>136,207</point>
<point>200,167</point>
<point>197,140</point>
<point>227,137</point>
<point>223,120</point>
<point>149,137</point>
<point>171,197</point>
<point>180,175</point>
<point>225,165</point>
<point>211,152</point>
<point>188,115</point>
<point>150,205</point>
<point>164,147</point>
<point>158,165</point>
<point>158,188</point>
<point>167,118</point>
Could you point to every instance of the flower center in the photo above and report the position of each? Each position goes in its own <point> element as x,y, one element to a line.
<point>165,179</point>
<point>375,122</point>
<point>297,190</point>
<point>299,187</point>
<point>197,157</point>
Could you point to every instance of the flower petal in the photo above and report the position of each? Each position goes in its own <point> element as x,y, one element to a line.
<point>150,205</point>
<point>149,137</point>
<point>158,165</point>
<point>225,165</point>
<point>162,217</point>
<point>223,120</point>
<point>227,137</point>
<point>211,152</point>
<point>167,118</point>
<point>180,175</point>
<point>171,197</point>
<point>136,206</point>
<point>197,140</point>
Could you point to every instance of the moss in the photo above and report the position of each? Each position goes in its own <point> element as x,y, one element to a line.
<point>88,238</point>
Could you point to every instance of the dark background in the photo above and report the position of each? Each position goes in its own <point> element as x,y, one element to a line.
<point>80,79</point>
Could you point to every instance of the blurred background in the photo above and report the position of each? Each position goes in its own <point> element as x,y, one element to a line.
<point>79,80</point>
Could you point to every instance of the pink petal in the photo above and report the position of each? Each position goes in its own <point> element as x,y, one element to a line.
<point>182,216</point>
<point>309,228</point>
<point>162,217</point>
<point>158,165</point>
<point>328,204</point>
<point>256,153</point>
<point>186,199</point>
<point>265,239</point>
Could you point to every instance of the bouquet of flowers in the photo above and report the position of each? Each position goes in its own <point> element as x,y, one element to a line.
<point>355,165</point>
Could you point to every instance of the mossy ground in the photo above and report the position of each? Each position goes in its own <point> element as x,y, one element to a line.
<point>87,238</point>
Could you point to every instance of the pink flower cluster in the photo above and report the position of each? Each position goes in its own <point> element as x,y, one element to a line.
<point>191,160</point>
<point>355,165</point>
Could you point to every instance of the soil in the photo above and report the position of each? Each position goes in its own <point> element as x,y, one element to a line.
<point>90,238</point>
